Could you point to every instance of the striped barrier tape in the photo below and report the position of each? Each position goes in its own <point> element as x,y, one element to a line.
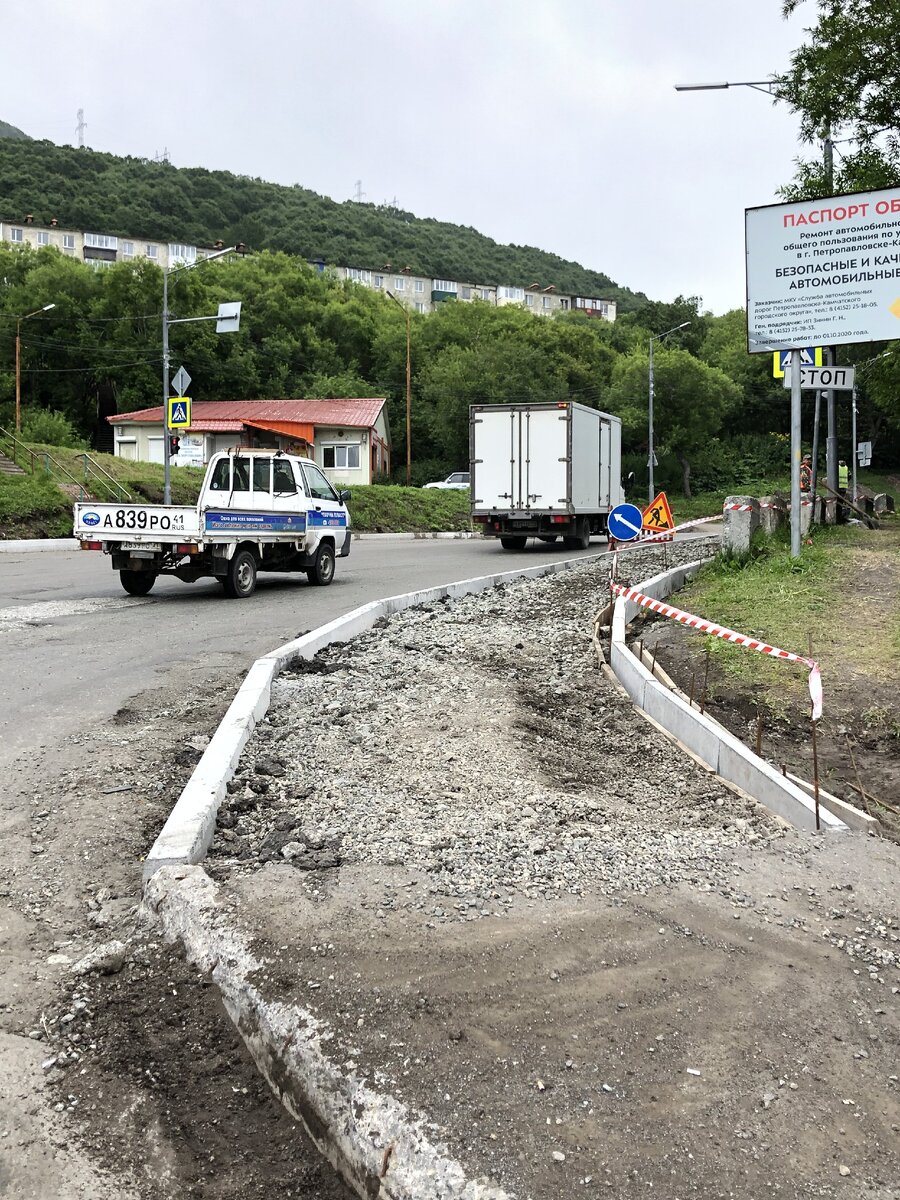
<point>729,635</point>
<point>737,508</point>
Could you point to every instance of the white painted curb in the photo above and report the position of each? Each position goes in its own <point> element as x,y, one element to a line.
<point>36,545</point>
<point>187,833</point>
<point>701,734</point>
<point>381,1147</point>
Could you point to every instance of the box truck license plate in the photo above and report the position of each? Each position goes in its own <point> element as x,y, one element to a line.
<point>140,545</point>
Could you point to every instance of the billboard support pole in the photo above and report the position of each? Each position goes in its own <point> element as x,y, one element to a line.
<point>815,445</point>
<point>795,454</point>
<point>855,459</point>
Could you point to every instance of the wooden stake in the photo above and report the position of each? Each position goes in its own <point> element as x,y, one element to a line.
<point>693,680</point>
<point>815,751</point>
<point>865,798</point>
<point>759,731</point>
<point>705,682</point>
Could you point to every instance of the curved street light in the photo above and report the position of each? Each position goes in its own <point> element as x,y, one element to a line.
<point>37,312</point>
<point>656,337</point>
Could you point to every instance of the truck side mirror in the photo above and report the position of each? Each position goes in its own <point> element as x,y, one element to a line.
<point>344,497</point>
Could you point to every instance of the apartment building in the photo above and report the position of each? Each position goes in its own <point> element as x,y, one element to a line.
<point>420,293</point>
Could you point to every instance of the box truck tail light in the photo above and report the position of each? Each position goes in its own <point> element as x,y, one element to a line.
<point>481,520</point>
<point>559,520</point>
<point>562,404</point>
<point>187,548</point>
<point>91,545</point>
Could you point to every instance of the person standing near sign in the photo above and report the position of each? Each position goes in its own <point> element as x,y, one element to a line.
<point>843,485</point>
<point>806,474</point>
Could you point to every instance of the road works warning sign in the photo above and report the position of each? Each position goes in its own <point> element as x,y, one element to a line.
<point>658,515</point>
<point>824,272</point>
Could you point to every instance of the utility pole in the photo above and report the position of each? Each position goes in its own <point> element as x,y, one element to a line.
<point>405,308</point>
<point>359,193</point>
<point>831,447</point>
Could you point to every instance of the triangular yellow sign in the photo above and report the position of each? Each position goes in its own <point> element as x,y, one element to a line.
<point>658,515</point>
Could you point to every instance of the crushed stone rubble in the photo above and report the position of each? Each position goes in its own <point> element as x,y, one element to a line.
<point>478,741</point>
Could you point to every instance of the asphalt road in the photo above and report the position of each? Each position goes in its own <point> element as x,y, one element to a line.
<point>75,648</point>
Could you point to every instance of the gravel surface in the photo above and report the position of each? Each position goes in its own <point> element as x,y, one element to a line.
<point>478,741</point>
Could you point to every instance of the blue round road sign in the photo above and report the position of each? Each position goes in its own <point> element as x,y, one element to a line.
<point>625,522</point>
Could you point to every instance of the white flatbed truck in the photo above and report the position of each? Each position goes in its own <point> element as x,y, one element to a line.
<point>258,510</point>
<point>544,471</point>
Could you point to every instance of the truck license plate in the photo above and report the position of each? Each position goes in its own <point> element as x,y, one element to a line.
<point>140,545</point>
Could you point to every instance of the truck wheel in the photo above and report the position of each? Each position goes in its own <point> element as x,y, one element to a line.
<point>582,539</point>
<point>322,573</point>
<point>240,581</point>
<point>513,543</point>
<point>137,583</point>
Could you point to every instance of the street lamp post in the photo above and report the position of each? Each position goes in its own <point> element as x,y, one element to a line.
<point>768,87</point>
<point>37,312</point>
<point>656,337</point>
<point>405,308</point>
<point>166,322</point>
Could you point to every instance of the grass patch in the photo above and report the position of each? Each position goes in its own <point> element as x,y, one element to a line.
<point>389,509</point>
<point>843,591</point>
<point>33,506</point>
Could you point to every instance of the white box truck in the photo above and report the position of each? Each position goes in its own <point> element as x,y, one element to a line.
<point>544,471</point>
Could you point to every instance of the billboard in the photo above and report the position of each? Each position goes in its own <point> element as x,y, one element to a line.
<point>823,272</point>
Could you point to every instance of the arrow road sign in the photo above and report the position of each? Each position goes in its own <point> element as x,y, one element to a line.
<point>181,382</point>
<point>624,523</point>
<point>838,379</point>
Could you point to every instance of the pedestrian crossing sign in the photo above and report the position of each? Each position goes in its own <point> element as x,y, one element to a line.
<point>658,516</point>
<point>179,414</point>
<point>810,356</point>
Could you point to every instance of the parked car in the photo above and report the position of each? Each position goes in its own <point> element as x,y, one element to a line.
<point>459,479</point>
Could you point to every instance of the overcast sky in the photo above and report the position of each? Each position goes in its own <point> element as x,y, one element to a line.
<point>552,123</point>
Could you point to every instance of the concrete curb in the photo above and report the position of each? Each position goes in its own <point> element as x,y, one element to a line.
<point>187,833</point>
<point>453,535</point>
<point>701,734</point>
<point>383,1149</point>
<point>36,545</point>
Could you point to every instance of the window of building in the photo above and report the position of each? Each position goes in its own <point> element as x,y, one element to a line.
<point>316,483</point>
<point>485,293</point>
<point>68,241</point>
<point>378,281</point>
<point>101,241</point>
<point>511,293</point>
<point>445,285</point>
<point>529,300</point>
<point>399,283</point>
<point>465,293</point>
<point>341,457</point>
<point>564,302</point>
<point>420,307</point>
<point>99,264</point>
<point>16,235</point>
<point>420,285</point>
<point>179,252</point>
<point>357,275</point>
<point>43,237</point>
<point>546,302</point>
<point>128,249</point>
<point>151,250</point>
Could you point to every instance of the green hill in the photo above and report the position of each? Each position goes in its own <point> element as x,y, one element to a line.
<point>84,189</point>
<point>10,131</point>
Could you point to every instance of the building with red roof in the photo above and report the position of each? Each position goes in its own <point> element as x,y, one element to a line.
<point>349,439</point>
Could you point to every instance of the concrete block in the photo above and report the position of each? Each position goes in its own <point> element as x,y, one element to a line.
<point>738,764</point>
<point>883,503</point>
<point>773,513</point>
<point>739,523</point>
<point>852,817</point>
<point>629,672</point>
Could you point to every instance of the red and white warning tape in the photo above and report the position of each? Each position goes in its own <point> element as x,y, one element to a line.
<point>737,507</point>
<point>729,635</point>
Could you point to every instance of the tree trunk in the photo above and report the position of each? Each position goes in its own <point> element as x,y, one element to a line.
<point>685,475</point>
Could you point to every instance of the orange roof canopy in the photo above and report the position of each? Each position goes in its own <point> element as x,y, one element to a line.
<point>303,431</point>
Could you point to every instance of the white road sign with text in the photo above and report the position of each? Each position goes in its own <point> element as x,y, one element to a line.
<point>831,379</point>
<point>824,272</point>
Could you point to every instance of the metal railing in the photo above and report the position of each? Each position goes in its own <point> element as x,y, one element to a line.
<point>102,478</point>
<point>35,460</point>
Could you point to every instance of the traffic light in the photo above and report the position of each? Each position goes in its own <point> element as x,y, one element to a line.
<point>174,443</point>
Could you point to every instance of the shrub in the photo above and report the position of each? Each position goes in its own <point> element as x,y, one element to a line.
<point>49,428</point>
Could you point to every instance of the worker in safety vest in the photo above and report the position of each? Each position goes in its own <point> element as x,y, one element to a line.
<point>843,485</point>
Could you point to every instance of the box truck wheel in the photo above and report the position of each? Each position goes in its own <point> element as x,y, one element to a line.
<point>582,538</point>
<point>240,581</point>
<point>137,583</point>
<point>513,543</point>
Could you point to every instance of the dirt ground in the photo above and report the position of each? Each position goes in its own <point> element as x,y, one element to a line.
<point>133,1085</point>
